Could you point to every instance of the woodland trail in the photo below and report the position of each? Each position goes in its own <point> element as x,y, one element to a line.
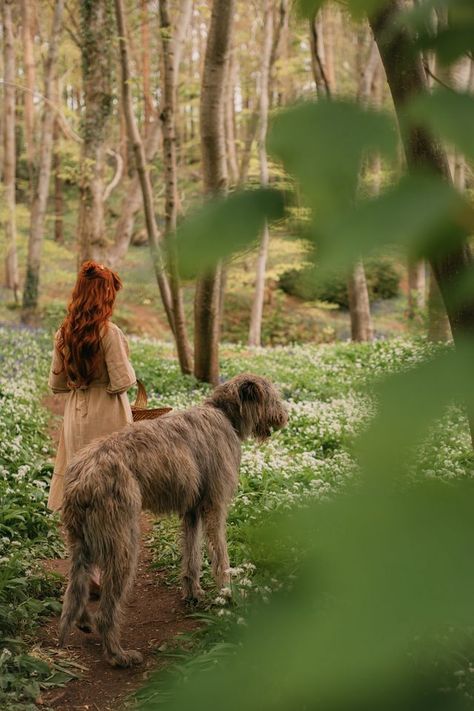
<point>154,615</point>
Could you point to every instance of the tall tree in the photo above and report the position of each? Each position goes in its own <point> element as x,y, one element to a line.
<point>96,50</point>
<point>12,280</point>
<point>132,200</point>
<point>141,166</point>
<point>58,186</point>
<point>255,328</point>
<point>206,311</point>
<point>43,171</point>
<point>171,45</point>
<point>27,16</point>
<point>359,302</point>
<point>407,79</point>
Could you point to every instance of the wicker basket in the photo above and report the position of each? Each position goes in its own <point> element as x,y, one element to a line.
<point>140,410</point>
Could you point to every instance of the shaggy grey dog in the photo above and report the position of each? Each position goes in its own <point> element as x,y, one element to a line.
<point>185,462</point>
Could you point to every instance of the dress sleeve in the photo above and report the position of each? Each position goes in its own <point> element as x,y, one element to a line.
<point>120,370</point>
<point>57,375</point>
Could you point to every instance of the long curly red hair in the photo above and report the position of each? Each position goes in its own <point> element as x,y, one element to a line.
<point>91,306</point>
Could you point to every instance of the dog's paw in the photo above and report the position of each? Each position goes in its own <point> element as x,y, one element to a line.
<point>193,598</point>
<point>126,658</point>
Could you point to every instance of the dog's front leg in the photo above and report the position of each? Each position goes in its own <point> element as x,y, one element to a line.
<point>192,554</point>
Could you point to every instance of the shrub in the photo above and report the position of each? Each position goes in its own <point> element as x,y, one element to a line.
<point>308,284</point>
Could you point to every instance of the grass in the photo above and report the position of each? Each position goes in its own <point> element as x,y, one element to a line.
<point>329,393</point>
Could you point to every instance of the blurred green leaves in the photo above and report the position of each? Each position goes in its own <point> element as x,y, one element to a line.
<point>224,226</point>
<point>420,214</point>
<point>322,144</point>
<point>358,8</point>
<point>388,566</point>
<point>450,115</point>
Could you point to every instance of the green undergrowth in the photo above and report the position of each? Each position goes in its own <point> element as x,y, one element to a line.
<point>28,532</point>
<point>329,391</point>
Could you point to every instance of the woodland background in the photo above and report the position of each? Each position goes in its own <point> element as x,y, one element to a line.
<point>71,188</point>
<point>248,171</point>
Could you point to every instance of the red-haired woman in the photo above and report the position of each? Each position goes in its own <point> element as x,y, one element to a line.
<point>90,364</point>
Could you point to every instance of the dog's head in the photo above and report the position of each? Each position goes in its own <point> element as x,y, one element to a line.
<point>253,405</point>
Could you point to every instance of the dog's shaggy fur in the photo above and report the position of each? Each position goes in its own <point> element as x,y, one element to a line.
<point>185,462</point>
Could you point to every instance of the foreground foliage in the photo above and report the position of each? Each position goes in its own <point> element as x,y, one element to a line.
<point>331,394</point>
<point>28,532</point>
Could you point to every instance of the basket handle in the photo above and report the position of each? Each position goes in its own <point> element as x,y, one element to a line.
<point>142,398</point>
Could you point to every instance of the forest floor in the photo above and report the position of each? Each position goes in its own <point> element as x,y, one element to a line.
<point>155,615</point>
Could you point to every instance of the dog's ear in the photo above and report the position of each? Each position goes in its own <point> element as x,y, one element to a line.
<point>250,391</point>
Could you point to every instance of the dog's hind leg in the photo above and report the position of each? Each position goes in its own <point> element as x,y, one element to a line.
<point>192,556</point>
<point>77,592</point>
<point>215,525</point>
<point>118,572</point>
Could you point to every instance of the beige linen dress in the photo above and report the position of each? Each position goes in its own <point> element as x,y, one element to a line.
<point>93,411</point>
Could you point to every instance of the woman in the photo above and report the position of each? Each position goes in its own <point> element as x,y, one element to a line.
<point>90,364</point>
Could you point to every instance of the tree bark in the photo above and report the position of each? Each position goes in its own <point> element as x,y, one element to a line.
<point>416,288</point>
<point>58,188</point>
<point>96,29</point>
<point>359,302</point>
<point>167,116</point>
<point>41,185</point>
<point>145,37</point>
<point>439,330</point>
<point>359,306</point>
<point>255,329</point>
<point>140,160</point>
<point>27,16</point>
<point>318,55</point>
<point>206,305</point>
<point>132,201</point>
<point>12,280</point>
<point>229,112</point>
<point>406,78</point>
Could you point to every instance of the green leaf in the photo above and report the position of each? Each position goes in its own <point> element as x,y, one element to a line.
<point>410,402</point>
<point>420,213</point>
<point>224,226</point>
<point>449,114</point>
<point>322,144</point>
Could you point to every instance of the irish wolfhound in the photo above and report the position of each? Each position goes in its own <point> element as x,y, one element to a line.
<point>185,462</point>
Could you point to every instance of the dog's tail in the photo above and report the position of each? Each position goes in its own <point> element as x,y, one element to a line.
<point>101,498</point>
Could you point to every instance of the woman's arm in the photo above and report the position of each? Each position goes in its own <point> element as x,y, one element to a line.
<point>120,370</point>
<point>57,375</point>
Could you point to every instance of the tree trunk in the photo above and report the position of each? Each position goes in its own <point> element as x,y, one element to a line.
<point>359,302</point>
<point>407,79</point>
<point>229,119</point>
<point>416,289</point>
<point>255,328</point>
<point>97,35</point>
<point>58,188</point>
<point>12,280</point>
<point>27,16</point>
<point>145,37</point>
<point>439,330</point>
<point>140,160</point>
<point>167,116</point>
<point>206,305</point>
<point>41,185</point>
<point>318,55</point>
<point>359,306</point>
<point>132,202</point>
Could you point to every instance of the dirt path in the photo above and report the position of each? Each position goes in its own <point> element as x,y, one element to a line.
<point>155,614</point>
